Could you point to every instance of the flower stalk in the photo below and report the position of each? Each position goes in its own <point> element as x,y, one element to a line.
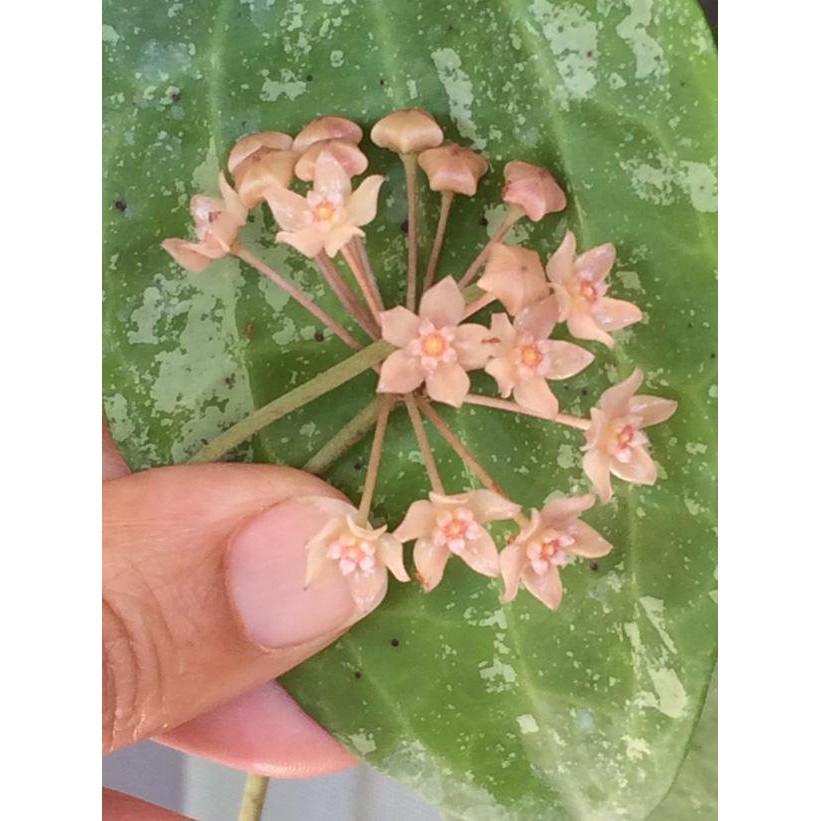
<point>386,404</point>
<point>424,444</point>
<point>409,162</point>
<point>345,294</point>
<point>441,227</point>
<point>576,422</point>
<point>514,214</point>
<point>372,298</point>
<point>343,440</point>
<point>253,798</point>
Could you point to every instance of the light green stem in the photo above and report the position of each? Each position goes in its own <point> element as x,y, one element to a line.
<point>282,405</point>
<point>343,440</point>
<point>253,798</point>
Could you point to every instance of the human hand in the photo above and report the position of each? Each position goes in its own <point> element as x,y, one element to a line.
<point>203,605</point>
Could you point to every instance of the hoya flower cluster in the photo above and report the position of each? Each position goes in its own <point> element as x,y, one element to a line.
<point>434,346</point>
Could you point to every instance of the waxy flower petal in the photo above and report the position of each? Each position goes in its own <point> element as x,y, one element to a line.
<point>532,189</point>
<point>254,175</point>
<point>580,292</point>
<point>330,215</point>
<point>217,223</point>
<point>452,525</point>
<point>615,442</point>
<point>535,555</point>
<point>453,168</point>
<point>346,153</point>
<point>360,554</point>
<point>328,127</point>
<point>521,362</point>
<point>434,347</point>
<point>262,141</point>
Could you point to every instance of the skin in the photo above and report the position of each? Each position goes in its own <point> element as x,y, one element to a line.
<point>180,663</point>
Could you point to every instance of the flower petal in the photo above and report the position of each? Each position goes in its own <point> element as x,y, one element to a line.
<point>418,521</point>
<point>501,329</point>
<point>368,589</point>
<point>429,562</point>
<point>443,304</point>
<point>400,373</point>
<point>330,177</point>
<point>597,467</point>
<point>615,401</point>
<point>339,236</point>
<point>652,409</point>
<point>514,276</point>
<point>361,205</point>
<point>535,394</point>
<point>615,314</point>
<point>597,261</point>
<point>540,319</point>
<point>307,241</point>
<point>547,588</point>
<point>471,346</point>
<point>480,554</point>
<point>512,561</point>
<point>502,370</point>
<point>389,549</point>
<point>399,326</point>
<point>589,543</point>
<point>233,204</point>
<point>640,470</point>
<point>448,383</point>
<point>582,324</point>
<point>567,359</point>
<point>488,506</point>
<point>289,209</point>
<point>319,568</point>
<point>560,265</point>
<point>557,511</point>
<point>187,254</point>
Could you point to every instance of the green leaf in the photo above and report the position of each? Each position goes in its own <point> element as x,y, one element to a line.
<point>491,712</point>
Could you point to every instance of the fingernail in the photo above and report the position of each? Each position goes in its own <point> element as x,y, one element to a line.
<point>266,580</point>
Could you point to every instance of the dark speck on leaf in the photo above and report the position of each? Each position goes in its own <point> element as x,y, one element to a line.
<point>594,566</point>
<point>584,391</point>
<point>382,81</point>
<point>309,78</point>
<point>358,466</point>
<point>176,97</point>
<point>357,674</point>
<point>483,222</point>
<point>120,206</point>
<point>394,642</point>
<point>249,330</point>
<point>319,336</point>
<point>404,227</point>
<point>689,324</point>
<point>712,356</point>
<point>589,53</point>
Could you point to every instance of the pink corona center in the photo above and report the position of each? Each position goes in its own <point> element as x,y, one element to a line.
<point>455,528</point>
<point>352,554</point>
<point>326,210</point>
<point>590,290</point>
<point>531,357</point>
<point>433,345</point>
<point>548,548</point>
<point>626,437</point>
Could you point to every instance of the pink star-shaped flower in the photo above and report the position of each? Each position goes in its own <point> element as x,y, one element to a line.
<point>534,556</point>
<point>217,223</point>
<point>330,215</point>
<point>615,440</point>
<point>434,347</point>
<point>515,276</point>
<point>580,290</point>
<point>523,361</point>
<point>449,526</point>
<point>360,554</point>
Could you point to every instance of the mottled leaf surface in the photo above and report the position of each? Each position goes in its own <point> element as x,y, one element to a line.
<point>491,712</point>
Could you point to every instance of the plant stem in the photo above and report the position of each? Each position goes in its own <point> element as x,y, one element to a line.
<point>458,446</point>
<point>345,294</point>
<point>362,252</point>
<point>514,214</point>
<point>343,440</point>
<point>409,161</point>
<point>312,389</point>
<point>298,296</point>
<point>357,269</point>
<point>386,404</point>
<point>253,798</point>
<point>506,405</point>
<point>477,305</point>
<point>441,227</point>
<point>424,444</point>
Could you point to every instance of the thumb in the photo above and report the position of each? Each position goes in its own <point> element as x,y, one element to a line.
<point>203,590</point>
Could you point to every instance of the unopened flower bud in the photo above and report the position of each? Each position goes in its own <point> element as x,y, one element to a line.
<point>254,175</point>
<point>453,168</point>
<point>533,189</point>
<point>345,152</point>
<point>262,141</point>
<point>327,128</point>
<point>408,131</point>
